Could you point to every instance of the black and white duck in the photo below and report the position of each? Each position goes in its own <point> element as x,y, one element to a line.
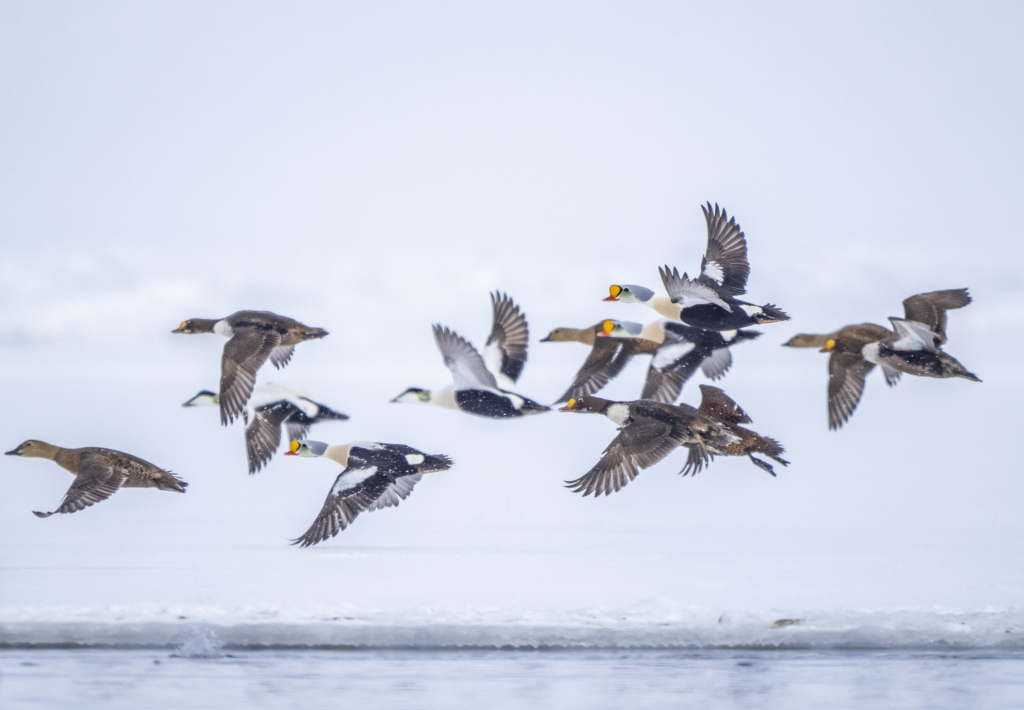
<point>477,383</point>
<point>709,301</point>
<point>913,347</point>
<point>271,406</point>
<point>375,476</point>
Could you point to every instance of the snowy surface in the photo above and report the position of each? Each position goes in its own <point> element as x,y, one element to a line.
<point>373,175</point>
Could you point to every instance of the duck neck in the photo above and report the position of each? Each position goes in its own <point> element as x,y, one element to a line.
<point>68,459</point>
<point>338,453</point>
<point>203,325</point>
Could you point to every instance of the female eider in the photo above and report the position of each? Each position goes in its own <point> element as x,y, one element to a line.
<point>479,384</point>
<point>270,406</point>
<point>648,432</point>
<point>98,473</point>
<point>375,476</point>
<point>730,439</point>
<point>681,350</point>
<point>607,355</point>
<point>708,302</point>
<point>253,337</point>
<point>914,348</point>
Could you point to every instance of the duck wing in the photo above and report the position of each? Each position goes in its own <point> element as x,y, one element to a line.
<point>912,335</point>
<point>718,405</point>
<point>717,363</point>
<point>244,354</point>
<point>354,491</point>
<point>846,373</point>
<point>96,481</point>
<point>672,365</point>
<point>641,444</point>
<point>696,459</point>
<point>930,308</point>
<point>724,266</point>
<point>605,361</point>
<point>466,365</point>
<point>280,355</point>
<point>263,432</point>
<point>685,292</point>
<point>396,492</point>
<point>505,349</point>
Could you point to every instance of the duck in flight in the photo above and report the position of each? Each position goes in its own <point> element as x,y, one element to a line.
<point>481,384</point>
<point>912,347</point>
<point>649,431</point>
<point>375,476</point>
<point>99,473</point>
<point>709,301</point>
<point>271,406</point>
<point>253,338</point>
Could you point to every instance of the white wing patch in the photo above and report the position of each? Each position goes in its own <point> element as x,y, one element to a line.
<point>352,478</point>
<point>668,354</point>
<point>414,459</point>
<point>714,271</point>
<point>751,310</point>
<point>913,335</point>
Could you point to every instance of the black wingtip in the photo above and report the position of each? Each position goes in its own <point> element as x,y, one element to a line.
<point>41,515</point>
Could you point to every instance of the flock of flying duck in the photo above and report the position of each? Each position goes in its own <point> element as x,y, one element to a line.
<point>702,318</point>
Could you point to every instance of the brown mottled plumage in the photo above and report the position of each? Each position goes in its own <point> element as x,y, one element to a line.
<point>99,473</point>
<point>729,438</point>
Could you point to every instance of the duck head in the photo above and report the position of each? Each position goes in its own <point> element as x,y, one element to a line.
<point>413,395</point>
<point>620,329</point>
<point>196,325</point>
<point>562,335</point>
<point>309,449</point>
<point>206,398</point>
<point>586,405</point>
<point>33,449</point>
<point>629,293</point>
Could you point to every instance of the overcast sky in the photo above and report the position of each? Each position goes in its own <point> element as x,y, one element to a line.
<point>374,168</point>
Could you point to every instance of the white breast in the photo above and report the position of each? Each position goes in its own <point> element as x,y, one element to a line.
<point>222,327</point>
<point>618,413</point>
<point>870,353</point>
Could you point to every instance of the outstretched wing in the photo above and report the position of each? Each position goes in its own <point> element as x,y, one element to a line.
<point>280,355</point>
<point>353,492</point>
<point>930,308</point>
<point>724,266</point>
<point>717,363</point>
<point>396,492</point>
<point>696,459</point>
<point>263,432</point>
<point>717,404</point>
<point>467,367</point>
<point>244,354</point>
<point>846,373</point>
<point>505,350</point>
<point>913,335</point>
<point>686,293</point>
<point>95,482</point>
<point>639,445</point>
<point>606,360</point>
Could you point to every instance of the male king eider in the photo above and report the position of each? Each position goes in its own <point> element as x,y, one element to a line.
<point>709,301</point>
<point>681,350</point>
<point>914,348</point>
<point>375,476</point>
<point>253,337</point>
<point>270,406</point>
<point>99,473</point>
<point>479,384</point>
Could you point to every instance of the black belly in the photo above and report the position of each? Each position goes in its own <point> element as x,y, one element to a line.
<point>710,317</point>
<point>486,404</point>
<point>922,362</point>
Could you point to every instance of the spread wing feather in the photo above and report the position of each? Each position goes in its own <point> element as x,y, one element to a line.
<point>244,354</point>
<point>508,339</point>
<point>685,292</point>
<point>466,365</point>
<point>724,266</point>
<point>930,308</point>
<point>95,482</point>
<point>846,373</point>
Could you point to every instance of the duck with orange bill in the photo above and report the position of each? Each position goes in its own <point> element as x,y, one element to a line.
<point>375,476</point>
<point>253,338</point>
<point>709,301</point>
<point>914,347</point>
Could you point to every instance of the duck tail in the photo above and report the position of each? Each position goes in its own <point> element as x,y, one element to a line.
<point>170,482</point>
<point>531,407</point>
<point>315,333</point>
<point>770,448</point>
<point>436,462</point>
<point>953,368</point>
<point>771,314</point>
<point>328,413</point>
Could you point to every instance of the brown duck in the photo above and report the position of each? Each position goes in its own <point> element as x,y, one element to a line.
<point>914,348</point>
<point>253,338</point>
<point>98,473</point>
